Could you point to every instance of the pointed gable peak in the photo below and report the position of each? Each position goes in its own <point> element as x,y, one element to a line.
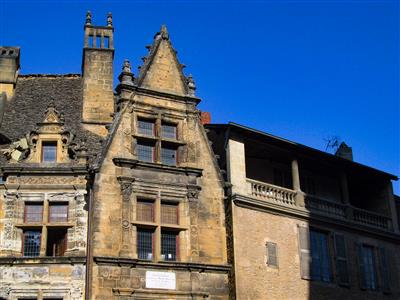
<point>161,70</point>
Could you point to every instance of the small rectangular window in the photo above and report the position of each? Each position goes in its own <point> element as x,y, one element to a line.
<point>145,211</point>
<point>33,213</point>
<point>56,241</point>
<point>168,156</point>
<point>320,257</point>
<point>169,245</point>
<point>146,127</point>
<point>31,242</point>
<point>169,213</point>
<point>49,151</point>
<point>58,212</point>
<point>145,152</point>
<point>272,257</point>
<point>145,243</point>
<point>168,131</point>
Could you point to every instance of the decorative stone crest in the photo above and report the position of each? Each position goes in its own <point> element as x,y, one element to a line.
<point>88,18</point>
<point>109,20</point>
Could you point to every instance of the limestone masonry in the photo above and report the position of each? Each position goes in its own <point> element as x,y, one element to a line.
<point>133,194</point>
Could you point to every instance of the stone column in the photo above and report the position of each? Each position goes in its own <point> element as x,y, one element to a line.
<point>236,167</point>
<point>296,183</point>
<point>126,192</point>
<point>392,207</point>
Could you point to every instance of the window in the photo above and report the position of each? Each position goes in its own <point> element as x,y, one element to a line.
<point>157,224</point>
<point>56,241</point>
<point>168,131</point>
<point>145,211</point>
<point>320,257</point>
<point>145,243</point>
<point>33,212</point>
<point>145,152</point>
<point>169,241</point>
<point>168,156</point>
<point>49,151</point>
<point>367,261</point>
<point>35,222</point>
<point>157,141</point>
<point>169,213</point>
<point>58,212</point>
<point>31,242</point>
<point>146,127</point>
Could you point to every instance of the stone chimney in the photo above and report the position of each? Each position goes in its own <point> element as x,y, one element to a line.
<point>97,72</point>
<point>344,151</point>
<point>205,117</point>
<point>9,68</point>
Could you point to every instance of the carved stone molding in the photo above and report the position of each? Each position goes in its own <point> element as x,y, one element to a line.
<point>193,192</point>
<point>126,187</point>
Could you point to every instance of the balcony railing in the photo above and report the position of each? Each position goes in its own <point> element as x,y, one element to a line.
<point>287,197</point>
<point>372,219</point>
<point>325,206</point>
<point>272,192</point>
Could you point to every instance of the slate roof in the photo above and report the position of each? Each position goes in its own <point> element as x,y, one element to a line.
<point>32,96</point>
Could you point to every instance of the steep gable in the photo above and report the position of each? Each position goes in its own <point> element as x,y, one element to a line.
<point>161,70</point>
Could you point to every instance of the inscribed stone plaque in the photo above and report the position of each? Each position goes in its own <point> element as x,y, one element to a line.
<point>160,280</point>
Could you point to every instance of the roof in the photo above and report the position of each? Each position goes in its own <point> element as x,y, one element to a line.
<point>290,145</point>
<point>32,96</point>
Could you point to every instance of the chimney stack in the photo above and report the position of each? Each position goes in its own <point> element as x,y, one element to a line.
<point>97,72</point>
<point>9,69</point>
<point>344,151</point>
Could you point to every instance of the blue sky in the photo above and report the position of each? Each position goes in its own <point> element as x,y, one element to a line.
<point>302,70</point>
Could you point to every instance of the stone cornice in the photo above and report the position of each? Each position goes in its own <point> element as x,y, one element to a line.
<point>163,265</point>
<point>136,164</point>
<point>44,170</point>
<point>42,260</point>
<point>313,218</point>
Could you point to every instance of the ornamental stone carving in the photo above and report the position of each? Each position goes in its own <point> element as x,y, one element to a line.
<point>126,187</point>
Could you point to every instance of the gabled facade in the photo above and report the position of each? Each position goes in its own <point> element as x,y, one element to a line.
<point>124,194</point>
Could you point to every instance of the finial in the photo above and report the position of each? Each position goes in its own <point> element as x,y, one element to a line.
<point>164,32</point>
<point>88,18</point>
<point>126,67</point>
<point>191,85</point>
<point>126,76</point>
<point>109,19</point>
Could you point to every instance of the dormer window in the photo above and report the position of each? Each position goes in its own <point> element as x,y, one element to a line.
<point>49,152</point>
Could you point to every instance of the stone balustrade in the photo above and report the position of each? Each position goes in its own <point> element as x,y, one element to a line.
<point>287,197</point>
<point>272,192</point>
<point>372,219</point>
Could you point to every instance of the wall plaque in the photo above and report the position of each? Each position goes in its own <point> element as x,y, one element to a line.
<point>160,280</point>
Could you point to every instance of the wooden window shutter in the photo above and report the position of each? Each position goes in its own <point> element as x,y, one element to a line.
<point>342,271</point>
<point>363,284</point>
<point>305,254</point>
<point>384,270</point>
<point>272,256</point>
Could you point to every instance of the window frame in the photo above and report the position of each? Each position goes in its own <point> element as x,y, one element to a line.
<point>44,144</point>
<point>57,203</point>
<point>33,204</point>
<point>329,256</point>
<point>39,231</point>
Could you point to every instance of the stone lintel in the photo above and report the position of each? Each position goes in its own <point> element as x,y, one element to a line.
<point>42,260</point>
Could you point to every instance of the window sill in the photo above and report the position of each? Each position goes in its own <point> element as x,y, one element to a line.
<point>40,224</point>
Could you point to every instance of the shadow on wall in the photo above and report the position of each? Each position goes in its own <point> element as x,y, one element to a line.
<point>345,265</point>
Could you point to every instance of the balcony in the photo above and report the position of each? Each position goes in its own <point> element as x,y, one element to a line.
<point>323,207</point>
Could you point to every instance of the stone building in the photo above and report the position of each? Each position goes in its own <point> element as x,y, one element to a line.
<point>126,194</point>
<point>305,224</point>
